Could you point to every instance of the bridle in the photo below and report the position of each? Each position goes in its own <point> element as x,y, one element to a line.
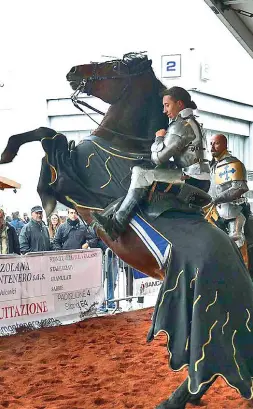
<point>85,86</point>
<point>95,77</point>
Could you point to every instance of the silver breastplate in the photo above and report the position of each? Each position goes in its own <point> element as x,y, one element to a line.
<point>191,138</point>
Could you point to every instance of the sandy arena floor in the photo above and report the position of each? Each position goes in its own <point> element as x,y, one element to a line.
<point>101,363</point>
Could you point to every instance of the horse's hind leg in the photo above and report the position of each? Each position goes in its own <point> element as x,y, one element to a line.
<point>15,141</point>
<point>177,399</point>
<point>195,399</point>
<point>182,396</point>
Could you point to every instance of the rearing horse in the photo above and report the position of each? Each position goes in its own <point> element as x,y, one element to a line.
<point>205,303</point>
<point>135,114</point>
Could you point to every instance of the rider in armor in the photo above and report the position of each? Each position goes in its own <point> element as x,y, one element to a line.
<point>178,154</point>
<point>228,184</point>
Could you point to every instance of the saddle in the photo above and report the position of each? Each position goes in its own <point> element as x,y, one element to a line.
<point>163,198</point>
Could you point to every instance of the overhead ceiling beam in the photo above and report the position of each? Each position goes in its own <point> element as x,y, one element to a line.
<point>234,24</point>
<point>229,2</point>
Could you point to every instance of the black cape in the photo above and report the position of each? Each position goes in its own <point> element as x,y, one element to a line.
<point>205,305</point>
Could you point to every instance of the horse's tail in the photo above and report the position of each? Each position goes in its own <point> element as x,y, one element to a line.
<point>15,141</point>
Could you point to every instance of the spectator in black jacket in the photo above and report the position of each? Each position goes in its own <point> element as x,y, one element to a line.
<point>73,234</point>
<point>8,237</point>
<point>34,235</point>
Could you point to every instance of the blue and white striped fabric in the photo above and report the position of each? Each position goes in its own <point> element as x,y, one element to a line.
<point>157,244</point>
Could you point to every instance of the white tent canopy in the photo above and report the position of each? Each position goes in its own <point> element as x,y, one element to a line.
<point>237,15</point>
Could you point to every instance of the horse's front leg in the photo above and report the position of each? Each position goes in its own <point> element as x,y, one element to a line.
<point>15,141</point>
<point>182,396</point>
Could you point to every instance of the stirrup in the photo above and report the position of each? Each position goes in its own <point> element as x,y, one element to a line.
<point>109,225</point>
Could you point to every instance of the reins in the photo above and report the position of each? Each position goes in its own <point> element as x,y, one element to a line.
<point>82,87</point>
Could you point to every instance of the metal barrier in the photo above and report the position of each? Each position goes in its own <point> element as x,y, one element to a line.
<point>118,283</point>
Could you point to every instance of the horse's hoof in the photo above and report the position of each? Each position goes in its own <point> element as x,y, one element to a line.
<point>166,404</point>
<point>7,157</point>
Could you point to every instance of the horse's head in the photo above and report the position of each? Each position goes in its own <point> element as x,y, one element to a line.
<point>109,80</point>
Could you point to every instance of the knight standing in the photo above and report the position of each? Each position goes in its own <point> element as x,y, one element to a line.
<point>228,184</point>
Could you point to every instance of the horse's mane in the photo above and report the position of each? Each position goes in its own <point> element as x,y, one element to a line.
<point>136,62</point>
<point>150,109</point>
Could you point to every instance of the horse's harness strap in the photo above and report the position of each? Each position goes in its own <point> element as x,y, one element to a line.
<point>95,77</point>
<point>151,192</point>
<point>84,84</point>
<point>78,101</point>
<point>83,87</point>
<point>168,188</point>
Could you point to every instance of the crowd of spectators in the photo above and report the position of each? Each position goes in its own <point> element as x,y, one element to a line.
<point>33,234</point>
<point>30,233</point>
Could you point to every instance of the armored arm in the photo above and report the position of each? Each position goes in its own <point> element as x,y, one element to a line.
<point>235,191</point>
<point>180,134</point>
<point>162,151</point>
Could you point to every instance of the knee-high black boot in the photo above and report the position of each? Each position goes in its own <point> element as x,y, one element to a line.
<point>116,225</point>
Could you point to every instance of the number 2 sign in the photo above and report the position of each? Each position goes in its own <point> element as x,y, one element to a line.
<point>171,66</point>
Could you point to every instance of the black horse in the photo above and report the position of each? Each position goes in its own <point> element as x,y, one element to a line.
<point>205,303</point>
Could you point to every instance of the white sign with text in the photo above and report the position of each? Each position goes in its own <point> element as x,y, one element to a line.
<point>146,286</point>
<point>171,66</point>
<point>62,285</point>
